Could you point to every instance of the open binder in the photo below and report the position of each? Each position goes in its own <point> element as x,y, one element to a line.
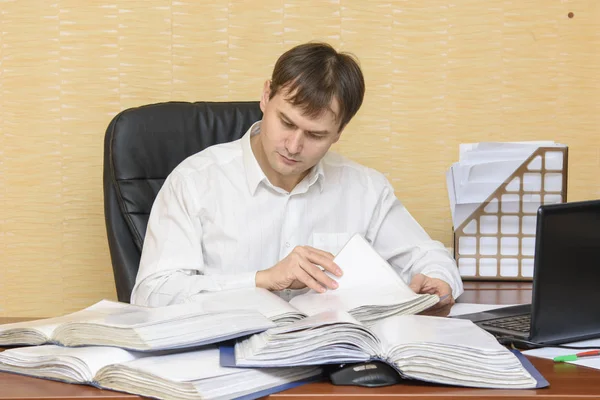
<point>495,238</point>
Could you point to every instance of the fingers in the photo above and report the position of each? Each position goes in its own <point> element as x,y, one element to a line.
<point>317,275</point>
<point>424,284</point>
<point>445,302</point>
<point>308,280</point>
<point>310,274</point>
<point>324,259</point>
<point>417,282</point>
<point>442,308</point>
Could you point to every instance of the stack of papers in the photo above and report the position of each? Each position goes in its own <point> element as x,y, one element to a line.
<point>190,375</point>
<point>483,167</point>
<point>133,327</point>
<point>430,349</point>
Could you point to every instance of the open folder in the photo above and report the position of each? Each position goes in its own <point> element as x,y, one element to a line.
<point>494,191</point>
<point>430,349</point>
<point>129,326</point>
<point>193,375</point>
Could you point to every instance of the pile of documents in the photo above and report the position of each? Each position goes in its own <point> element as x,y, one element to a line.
<point>173,352</point>
<point>430,349</point>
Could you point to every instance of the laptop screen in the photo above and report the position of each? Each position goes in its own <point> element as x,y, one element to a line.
<point>567,272</point>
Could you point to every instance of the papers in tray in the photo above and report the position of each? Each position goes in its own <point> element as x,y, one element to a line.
<point>495,191</point>
<point>484,167</point>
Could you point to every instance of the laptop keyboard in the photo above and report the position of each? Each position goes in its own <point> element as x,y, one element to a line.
<point>518,323</point>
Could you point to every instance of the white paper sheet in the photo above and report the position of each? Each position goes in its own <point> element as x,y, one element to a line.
<point>551,352</point>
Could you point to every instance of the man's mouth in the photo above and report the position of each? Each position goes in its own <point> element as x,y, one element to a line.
<point>287,160</point>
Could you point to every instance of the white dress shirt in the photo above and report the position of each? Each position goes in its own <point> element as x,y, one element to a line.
<point>217,220</point>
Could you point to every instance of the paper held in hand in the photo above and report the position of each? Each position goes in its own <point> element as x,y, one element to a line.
<point>369,290</point>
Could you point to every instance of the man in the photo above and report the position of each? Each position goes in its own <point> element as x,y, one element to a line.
<point>267,209</point>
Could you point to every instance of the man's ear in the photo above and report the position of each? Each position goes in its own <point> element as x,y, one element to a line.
<point>266,94</point>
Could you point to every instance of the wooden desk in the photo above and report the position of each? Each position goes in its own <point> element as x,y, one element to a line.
<point>566,380</point>
<point>496,293</point>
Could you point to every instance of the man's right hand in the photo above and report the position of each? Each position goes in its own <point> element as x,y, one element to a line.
<point>299,269</point>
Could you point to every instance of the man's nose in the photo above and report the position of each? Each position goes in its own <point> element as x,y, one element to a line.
<point>294,142</point>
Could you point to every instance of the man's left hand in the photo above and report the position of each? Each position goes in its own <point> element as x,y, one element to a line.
<point>423,284</point>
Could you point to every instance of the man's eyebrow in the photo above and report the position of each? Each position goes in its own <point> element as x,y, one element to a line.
<point>285,117</point>
<point>319,132</point>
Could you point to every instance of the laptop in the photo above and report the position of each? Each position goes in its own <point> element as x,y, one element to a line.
<point>565,306</point>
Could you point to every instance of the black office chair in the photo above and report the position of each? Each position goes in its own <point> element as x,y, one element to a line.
<point>141,147</point>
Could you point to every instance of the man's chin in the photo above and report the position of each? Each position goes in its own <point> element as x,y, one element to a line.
<point>291,172</point>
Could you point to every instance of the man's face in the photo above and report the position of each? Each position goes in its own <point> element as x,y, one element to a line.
<point>290,142</point>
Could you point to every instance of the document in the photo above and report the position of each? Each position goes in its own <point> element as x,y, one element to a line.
<point>133,327</point>
<point>551,352</point>
<point>192,375</point>
<point>369,290</point>
<point>431,349</point>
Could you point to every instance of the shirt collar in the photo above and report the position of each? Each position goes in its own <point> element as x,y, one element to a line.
<point>255,175</point>
<point>316,175</point>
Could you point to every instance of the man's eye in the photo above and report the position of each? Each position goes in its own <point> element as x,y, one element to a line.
<point>315,136</point>
<point>287,124</point>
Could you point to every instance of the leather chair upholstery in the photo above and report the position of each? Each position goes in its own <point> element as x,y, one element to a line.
<point>142,146</point>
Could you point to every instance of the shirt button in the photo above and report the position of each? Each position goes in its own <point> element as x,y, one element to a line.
<point>287,244</point>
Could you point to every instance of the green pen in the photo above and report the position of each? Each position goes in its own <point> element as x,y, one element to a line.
<point>573,357</point>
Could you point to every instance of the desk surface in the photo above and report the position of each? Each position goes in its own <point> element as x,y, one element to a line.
<point>566,380</point>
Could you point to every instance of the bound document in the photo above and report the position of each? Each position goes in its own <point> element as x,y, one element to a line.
<point>138,328</point>
<point>431,349</point>
<point>185,375</point>
<point>369,290</point>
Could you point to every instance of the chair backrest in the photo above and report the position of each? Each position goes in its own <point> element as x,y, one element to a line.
<point>142,146</point>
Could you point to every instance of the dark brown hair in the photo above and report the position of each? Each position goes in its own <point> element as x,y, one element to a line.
<point>313,74</point>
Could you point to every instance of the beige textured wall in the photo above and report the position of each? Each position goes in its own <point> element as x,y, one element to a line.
<point>438,74</point>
